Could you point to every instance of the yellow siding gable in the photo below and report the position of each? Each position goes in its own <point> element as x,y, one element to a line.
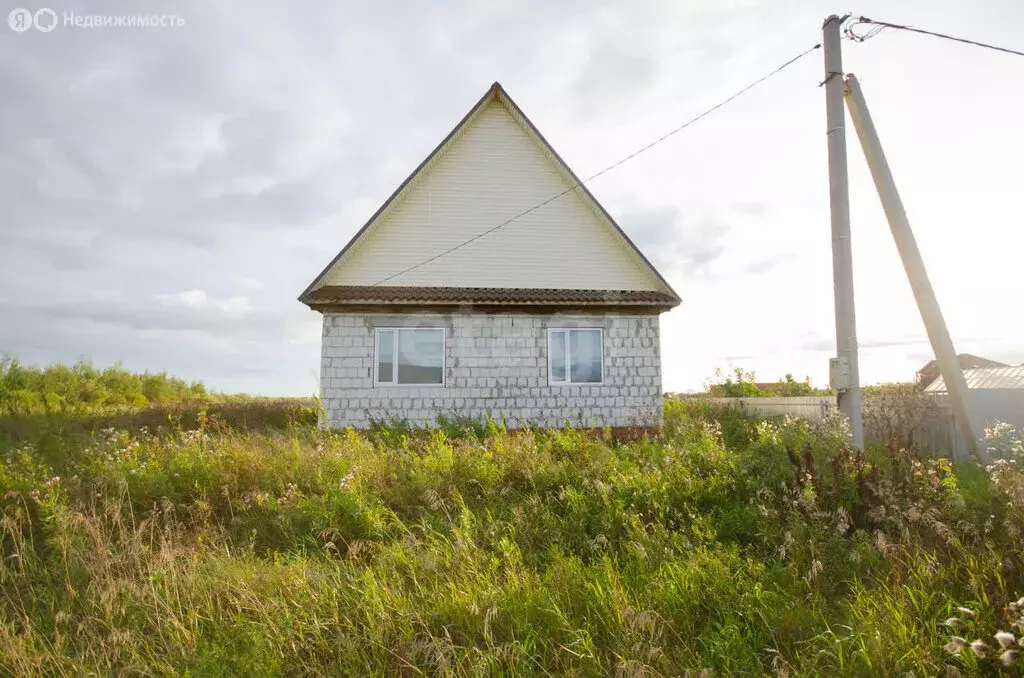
<point>493,169</point>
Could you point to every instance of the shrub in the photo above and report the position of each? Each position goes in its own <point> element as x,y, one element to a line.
<point>83,388</point>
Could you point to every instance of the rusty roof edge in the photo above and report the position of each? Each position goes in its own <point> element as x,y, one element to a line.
<point>392,290</point>
<point>500,296</point>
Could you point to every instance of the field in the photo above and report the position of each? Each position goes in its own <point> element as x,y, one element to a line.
<point>235,538</point>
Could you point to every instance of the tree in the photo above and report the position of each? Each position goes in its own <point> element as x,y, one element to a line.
<point>790,387</point>
<point>739,385</point>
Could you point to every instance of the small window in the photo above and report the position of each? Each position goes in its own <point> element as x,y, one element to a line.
<point>575,356</point>
<point>411,356</point>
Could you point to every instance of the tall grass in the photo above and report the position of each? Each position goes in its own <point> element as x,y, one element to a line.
<point>267,547</point>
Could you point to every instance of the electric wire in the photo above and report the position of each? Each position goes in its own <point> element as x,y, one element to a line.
<point>879,26</point>
<point>607,169</point>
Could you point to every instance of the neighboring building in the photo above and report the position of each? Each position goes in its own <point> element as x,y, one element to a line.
<point>1004,378</point>
<point>994,393</point>
<point>930,372</point>
<point>475,291</point>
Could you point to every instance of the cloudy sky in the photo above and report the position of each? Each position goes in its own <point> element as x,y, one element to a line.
<point>166,193</point>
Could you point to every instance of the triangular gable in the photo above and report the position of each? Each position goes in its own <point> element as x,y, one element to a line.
<point>490,169</point>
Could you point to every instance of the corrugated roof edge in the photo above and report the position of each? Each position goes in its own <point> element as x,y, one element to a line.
<point>1010,377</point>
<point>518,295</point>
<point>495,89</point>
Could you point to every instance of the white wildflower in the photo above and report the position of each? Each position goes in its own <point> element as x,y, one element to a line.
<point>953,622</point>
<point>955,645</point>
<point>1009,658</point>
<point>979,648</point>
<point>966,611</point>
<point>1005,639</point>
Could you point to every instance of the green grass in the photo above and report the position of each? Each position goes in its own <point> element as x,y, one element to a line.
<point>243,541</point>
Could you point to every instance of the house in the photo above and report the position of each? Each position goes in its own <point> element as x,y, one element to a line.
<point>491,283</point>
<point>930,372</point>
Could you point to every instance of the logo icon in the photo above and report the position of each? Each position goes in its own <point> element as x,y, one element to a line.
<point>20,20</point>
<point>45,20</point>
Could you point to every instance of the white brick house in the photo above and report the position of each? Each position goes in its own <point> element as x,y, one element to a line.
<point>475,291</point>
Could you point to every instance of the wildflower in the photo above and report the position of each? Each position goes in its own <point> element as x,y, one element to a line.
<point>1009,658</point>
<point>979,648</point>
<point>955,645</point>
<point>953,622</point>
<point>966,611</point>
<point>1005,639</point>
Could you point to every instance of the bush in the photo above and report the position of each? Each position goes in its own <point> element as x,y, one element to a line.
<point>83,388</point>
<point>742,384</point>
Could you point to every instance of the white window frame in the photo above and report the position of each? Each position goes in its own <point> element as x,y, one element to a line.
<point>568,372</point>
<point>394,357</point>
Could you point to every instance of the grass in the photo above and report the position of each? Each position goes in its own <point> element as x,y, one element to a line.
<point>242,540</point>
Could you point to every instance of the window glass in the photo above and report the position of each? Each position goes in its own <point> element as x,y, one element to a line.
<point>556,355</point>
<point>420,356</point>
<point>585,356</point>
<point>385,356</point>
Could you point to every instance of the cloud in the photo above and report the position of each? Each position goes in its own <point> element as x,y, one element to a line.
<point>197,299</point>
<point>828,343</point>
<point>183,185</point>
<point>165,194</point>
<point>685,244</point>
<point>762,266</point>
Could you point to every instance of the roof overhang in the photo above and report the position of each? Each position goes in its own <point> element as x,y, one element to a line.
<point>362,299</point>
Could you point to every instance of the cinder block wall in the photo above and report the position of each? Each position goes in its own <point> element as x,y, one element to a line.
<point>495,364</point>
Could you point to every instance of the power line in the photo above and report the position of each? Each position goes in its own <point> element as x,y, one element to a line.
<point>879,26</point>
<point>606,169</point>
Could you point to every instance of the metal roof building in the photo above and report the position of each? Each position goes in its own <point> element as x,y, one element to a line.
<point>996,378</point>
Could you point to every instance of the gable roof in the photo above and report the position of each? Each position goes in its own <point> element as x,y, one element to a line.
<point>316,293</point>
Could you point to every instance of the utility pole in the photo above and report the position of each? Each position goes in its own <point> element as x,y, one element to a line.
<point>842,256</point>
<point>913,263</point>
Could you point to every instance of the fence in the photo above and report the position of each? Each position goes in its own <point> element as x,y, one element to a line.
<point>924,422</point>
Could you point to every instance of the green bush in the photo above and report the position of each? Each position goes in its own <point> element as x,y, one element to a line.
<point>83,388</point>
<point>742,384</point>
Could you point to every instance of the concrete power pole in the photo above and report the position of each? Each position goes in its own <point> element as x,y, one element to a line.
<point>845,370</point>
<point>927,303</point>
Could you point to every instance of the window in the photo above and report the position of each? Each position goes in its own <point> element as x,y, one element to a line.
<point>575,356</point>
<point>410,356</point>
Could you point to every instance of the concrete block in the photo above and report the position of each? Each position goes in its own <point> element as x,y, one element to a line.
<point>494,363</point>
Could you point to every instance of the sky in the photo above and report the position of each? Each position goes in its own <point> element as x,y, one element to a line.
<point>167,192</point>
